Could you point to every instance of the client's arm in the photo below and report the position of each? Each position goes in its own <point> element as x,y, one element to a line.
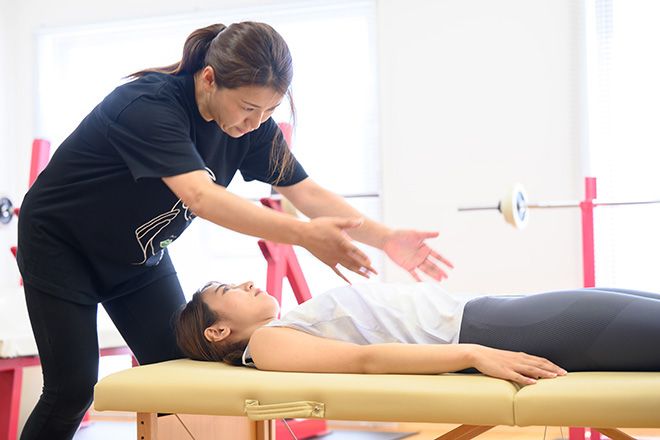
<point>285,349</point>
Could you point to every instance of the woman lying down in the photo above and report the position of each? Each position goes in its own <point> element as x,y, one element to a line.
<point>422,329</point>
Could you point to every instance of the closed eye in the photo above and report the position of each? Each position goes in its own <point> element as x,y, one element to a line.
<point>223,288</point>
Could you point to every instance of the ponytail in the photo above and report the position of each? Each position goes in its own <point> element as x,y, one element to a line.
<point>194,53</point>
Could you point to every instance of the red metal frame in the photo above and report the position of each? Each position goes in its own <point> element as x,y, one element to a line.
<point>40,158</point>
<point>11,380</point>
<point>283,263</point>
<point>11,383</point>
<point>587,207</point>
<point>301,428</point>
<point>282,260</point>
<point>588,269</point>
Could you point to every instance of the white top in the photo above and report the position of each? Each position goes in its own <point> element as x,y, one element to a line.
<point>376,313</point>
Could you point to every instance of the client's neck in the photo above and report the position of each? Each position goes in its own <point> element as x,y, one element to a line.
<point>248,331</point>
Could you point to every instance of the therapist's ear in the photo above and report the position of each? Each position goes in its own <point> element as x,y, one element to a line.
<point>208,78</point>
<point>217,332</point>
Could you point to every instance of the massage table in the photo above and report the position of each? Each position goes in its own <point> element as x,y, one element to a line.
<point>19,350</point>
<point>253,399</point>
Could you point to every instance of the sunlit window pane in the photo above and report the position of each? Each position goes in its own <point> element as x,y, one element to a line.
<point>625,139</point>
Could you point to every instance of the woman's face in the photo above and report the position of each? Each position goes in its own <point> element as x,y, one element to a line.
<point>236,111</point>
<point>245,305</point>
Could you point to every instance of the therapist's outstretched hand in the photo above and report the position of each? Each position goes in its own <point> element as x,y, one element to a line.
<point>326,239</point>
<point>409,250</point>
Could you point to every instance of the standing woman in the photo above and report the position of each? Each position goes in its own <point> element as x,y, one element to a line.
<point>157,152</point>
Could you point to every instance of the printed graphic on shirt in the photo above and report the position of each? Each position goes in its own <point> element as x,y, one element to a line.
<point>147,235</point>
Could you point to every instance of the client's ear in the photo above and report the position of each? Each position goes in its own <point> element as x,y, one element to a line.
<point>217,332</point>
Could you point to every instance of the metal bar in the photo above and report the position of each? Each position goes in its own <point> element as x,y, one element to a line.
<point>276,196</point>
<point>596,202</point>
<point>559,204</point>
<point>615,203</point>
<point>477,208</point>
<point>563,204</point>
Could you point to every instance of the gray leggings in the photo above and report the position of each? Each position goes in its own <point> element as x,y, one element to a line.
<point>579,330</point>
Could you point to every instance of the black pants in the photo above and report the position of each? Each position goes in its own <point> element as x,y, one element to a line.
<point>581,330</point>
<point>67,340</point>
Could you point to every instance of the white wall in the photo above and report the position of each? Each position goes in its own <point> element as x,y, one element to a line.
<point>475,95</point>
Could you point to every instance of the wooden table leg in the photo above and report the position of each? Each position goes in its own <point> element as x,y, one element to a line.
<point>465,432</point>
<point>147,426</point>
<point>614,433</point>
<point>265,430</point>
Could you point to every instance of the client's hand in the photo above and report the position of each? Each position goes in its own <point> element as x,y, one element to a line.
<point>519,367</point>
<point>325,238</point>
<point>409,250</point>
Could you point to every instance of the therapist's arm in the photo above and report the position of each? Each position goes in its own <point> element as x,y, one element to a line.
<point>286,349</point>
<point>323,237</point>
<point>315,201</point>
<point>407,248</point>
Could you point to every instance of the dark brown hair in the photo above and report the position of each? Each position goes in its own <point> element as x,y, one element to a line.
<point>193,319</point>
<point>241,54</point>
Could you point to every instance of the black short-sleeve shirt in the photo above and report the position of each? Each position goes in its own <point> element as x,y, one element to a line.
<point>98,219</point>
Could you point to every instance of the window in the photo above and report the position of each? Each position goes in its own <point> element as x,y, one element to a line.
<point>334,89</point>
<point>624,139</point>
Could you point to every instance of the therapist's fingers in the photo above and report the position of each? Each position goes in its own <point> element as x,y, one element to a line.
<point>441,259</point>
<point>364,263</point>
<point>341,275</point>
<point>360,269</point>
<point>354,259</point>
<point>354,254</point>
<point>425,234</point>
<point>326,239</point>
<point>432,270</point>
<point>414,275</point>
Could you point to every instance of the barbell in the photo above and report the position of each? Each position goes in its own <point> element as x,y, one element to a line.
<point>7,211</point>
<point>515,207</point>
